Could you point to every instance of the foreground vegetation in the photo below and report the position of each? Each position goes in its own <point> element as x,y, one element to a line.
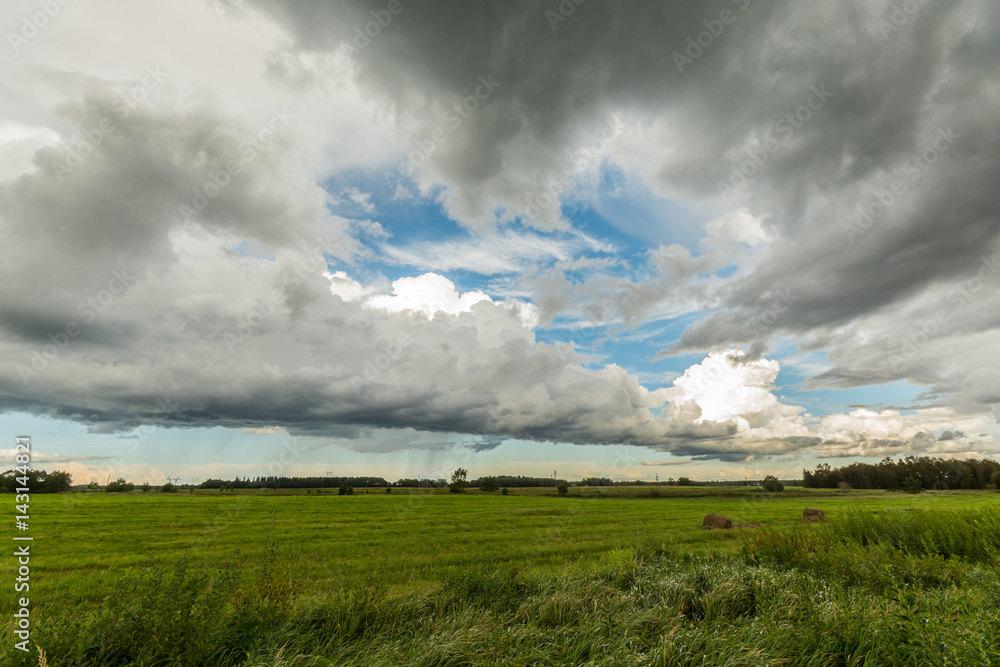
<point>401,579</point>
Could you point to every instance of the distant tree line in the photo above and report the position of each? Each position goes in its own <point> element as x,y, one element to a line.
<point>38,481</point>
<point>910,473</point>
<point>606,481</point>
<point>272,482</point>
<point>410,483</point>
<point>515,481</point>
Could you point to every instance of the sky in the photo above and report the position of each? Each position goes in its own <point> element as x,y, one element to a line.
<point>395,237</point>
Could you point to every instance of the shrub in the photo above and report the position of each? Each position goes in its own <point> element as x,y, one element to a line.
<point>504,491</point>
<point>489,484</point>
<point>345,489</point>
<point>911,485</point>
<point>772,484</point>
<point>145,487</point>
<point>168,488</point>
<point>388,489</point>
<point>562,488</point>
<point>844,487</point>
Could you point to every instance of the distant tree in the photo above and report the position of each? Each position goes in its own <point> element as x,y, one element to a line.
<point>772,484</point>
<point>58,482</point>
<point>458,481</point>
<point>845,487</point>
<point>345,489</point>
<point>912,485</point>
<point>388,489</point>
<point>562,488</point>
<point>226,487</point>
<point>489,484</point>
<point>119,486</point>
<point>145,487</point>
<point>504,491</point>
<point>168,488</point>
<point>684,481</point>
<point>995,480</point>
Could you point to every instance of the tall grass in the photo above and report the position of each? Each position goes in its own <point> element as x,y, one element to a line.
<point>972,536</point>
<point>898,588</point>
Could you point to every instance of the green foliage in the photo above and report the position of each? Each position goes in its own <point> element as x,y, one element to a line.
<point>932,473</point>
<point>458,481</point>
<point>772,484</point>
<point>145,487</point>
<point>489,484</point>
<point>168,488</point>
<point>388,489</point>
<point>562,488</point>
<point>120,486</point>
<point>345,489</point>
<point>38,481</point>
<point>972,536</point>
<point>504,491</point>
<point>684,481</point>
<point>57,482</point>
<point>156,616</point>
<point>912,485</point>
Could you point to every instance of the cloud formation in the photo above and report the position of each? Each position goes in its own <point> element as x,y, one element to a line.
<point>190,258</point>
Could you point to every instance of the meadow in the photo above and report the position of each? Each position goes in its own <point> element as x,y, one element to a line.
<point>606,576</point>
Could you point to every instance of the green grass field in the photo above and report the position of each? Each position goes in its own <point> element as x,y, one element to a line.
<point>408,578</point>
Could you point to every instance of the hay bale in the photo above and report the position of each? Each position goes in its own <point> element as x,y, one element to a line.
<point>713,521</point>
<point>810,514</point>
